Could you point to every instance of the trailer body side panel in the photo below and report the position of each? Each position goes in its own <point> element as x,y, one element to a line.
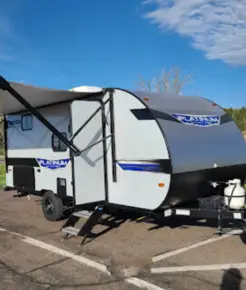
<point>142,158</point>
<point>36,159</point>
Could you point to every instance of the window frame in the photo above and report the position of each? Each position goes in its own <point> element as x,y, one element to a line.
<point>24,119</point>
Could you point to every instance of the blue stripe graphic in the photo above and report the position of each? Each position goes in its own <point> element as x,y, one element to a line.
<point>140,167</point>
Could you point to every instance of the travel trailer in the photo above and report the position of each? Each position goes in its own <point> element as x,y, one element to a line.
<point>91,148</point>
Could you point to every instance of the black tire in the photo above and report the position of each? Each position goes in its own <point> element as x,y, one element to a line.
<point>52,206</point>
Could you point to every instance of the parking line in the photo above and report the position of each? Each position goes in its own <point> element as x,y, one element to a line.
<point>67,254</point>
<point>143,284</point>
<point>193,246</point>
<point>214,267</point>
<point>80,259</point>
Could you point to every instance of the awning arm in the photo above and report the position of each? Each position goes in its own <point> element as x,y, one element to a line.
<point>88,120</point>
<point>5,85</point>
<point>92,145</point>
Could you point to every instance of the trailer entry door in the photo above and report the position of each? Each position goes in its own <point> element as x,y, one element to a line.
<point>88,175</point>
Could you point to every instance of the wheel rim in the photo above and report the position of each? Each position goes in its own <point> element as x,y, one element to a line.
<point>48,205</point>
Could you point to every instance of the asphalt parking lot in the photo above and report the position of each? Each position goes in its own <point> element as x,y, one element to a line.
<point>133,255</point>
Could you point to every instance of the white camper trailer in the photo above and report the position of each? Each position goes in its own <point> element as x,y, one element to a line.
<point>91,147</point>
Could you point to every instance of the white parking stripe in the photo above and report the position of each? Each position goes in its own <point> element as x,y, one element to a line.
<point>214,267</point>
<point>64,253</point>
<point>143,284</point>
<point>80,259</point>
<point>193,246</point>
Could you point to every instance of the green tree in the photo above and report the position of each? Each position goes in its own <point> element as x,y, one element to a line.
<point>238,116</point>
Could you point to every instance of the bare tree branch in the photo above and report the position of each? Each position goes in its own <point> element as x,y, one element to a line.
<point>172,81</point>
<point>145,85</point>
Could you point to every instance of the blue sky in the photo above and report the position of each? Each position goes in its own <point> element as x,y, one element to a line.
<point>62,44</point>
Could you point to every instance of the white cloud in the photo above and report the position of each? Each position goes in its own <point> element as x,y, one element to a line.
<point>216,27</point>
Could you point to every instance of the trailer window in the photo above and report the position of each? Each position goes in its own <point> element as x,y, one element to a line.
<point>26,122</point>
<point>57,144</point>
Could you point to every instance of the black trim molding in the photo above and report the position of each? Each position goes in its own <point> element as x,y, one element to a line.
<point>23,162</point>
<point>149,114</point>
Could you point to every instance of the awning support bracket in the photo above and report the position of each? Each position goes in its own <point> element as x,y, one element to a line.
<point>88,120</point>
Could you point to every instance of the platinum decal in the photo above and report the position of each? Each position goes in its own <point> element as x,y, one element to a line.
<point>53,164</point>
<point>198,120</point>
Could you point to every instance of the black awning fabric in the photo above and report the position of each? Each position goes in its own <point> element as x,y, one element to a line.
<point>36,97</point>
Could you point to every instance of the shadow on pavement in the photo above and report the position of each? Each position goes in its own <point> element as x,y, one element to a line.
<point>116,218</point>
<point>243,237</point>
<point>231,280</point>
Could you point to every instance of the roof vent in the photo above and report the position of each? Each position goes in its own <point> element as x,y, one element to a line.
<point>86,89</point>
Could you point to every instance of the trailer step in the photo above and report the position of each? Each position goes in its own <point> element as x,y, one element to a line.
<point>71,231</point>
<point>83,214</point>
<point>92,219</point>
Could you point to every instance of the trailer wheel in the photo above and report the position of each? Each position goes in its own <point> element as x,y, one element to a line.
<point>52,206</point>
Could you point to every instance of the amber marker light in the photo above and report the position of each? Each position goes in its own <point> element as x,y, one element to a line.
<point>146,99</point>
<point>161,184</point>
